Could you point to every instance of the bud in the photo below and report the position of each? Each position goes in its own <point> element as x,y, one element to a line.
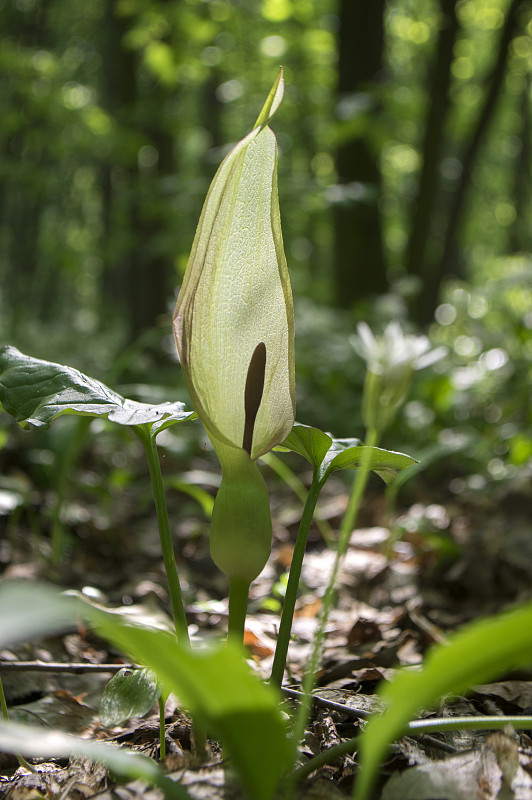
<point>234,330</point>
<point>391,360</point>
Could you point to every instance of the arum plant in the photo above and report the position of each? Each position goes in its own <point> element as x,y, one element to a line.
<point>234,331</point>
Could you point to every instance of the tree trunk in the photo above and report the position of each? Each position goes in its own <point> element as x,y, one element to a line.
<point>358,253</point>
<point>448,262</point>
<point>139,268</point>
<point>520,237</point>
<point>418,260</point>
<point>118,179</point>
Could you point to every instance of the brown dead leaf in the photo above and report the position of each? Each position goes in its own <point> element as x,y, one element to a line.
<point>257,648</point>
<point>364,630</point>
<point>284,555</point>
<point>518,693</point>
<point>310,609</point>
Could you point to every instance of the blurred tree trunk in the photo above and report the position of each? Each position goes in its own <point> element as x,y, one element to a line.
<point>358,253</point>
<point>520,235</point>
<point>22,193</point>
<point>139,269</point>
<point>153,268</point>
<point>448,262</point>
<point>420,262</point>
<point>118,174</point>
<point>211,114</point>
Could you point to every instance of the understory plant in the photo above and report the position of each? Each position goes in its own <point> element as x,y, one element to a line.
<point>235,338</point>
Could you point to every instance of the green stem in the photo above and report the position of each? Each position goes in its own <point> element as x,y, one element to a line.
<point>442,724</point>
<point>5,713</point>
<point>3,702</point>
<point>162,729</point>
<point>174,588</point>
<point>67,462</point>
<point>287,616</point>
<point>298,487</point>
<point>355,498</point>
<point>238,604</point>
<point>346,528</point>
<point>415,728</point>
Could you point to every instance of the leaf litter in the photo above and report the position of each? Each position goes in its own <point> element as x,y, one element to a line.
<point>400,591</point>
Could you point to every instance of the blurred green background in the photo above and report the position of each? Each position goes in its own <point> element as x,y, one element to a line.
<point>404,175</point>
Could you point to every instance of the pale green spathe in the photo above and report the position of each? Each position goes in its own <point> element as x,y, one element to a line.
<point>236,295</point>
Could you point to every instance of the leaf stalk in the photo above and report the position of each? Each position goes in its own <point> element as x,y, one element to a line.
<point>174,588</point>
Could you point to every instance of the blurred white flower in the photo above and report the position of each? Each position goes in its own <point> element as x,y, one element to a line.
<point>394,349</point>
<point>391,359</point>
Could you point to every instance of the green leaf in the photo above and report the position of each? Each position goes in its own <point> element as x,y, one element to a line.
<point>328,455</point>
<point>35,392</point>
<point>29,610</point>
<point>345,455</point>
<point>273,101</point>
<point>42,743</point>
<point>311,443</point>
<point>216,685</point>
<point>477,654</point>
<point>129,693</point>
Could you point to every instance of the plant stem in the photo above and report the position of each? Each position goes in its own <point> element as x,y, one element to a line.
<point>5,713</point>
<point>298,487</point>
<point>238,603</point>
<point>442,724</point>
<point>162,729</point>
<point>287,616</point>
<point>415,728</point>
<point>346,527</point>
<point>67,462</point>
<point>174,588</point>
<point>3,702</point>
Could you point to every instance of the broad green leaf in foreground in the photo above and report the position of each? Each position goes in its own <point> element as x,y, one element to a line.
<point>40,742</point>
<point>215,685</point>
<point>129,693</point>
<point>35,392</point>
<point>477,654</point>
<point>328,455</point>
<point>29,610</point>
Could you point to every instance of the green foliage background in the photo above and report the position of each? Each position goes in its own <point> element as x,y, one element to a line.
<point>115,114</point>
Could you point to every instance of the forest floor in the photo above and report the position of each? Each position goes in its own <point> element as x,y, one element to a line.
<point>410,577</point>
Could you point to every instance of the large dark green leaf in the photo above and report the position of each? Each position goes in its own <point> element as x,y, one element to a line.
<point>328,455</point>
<point>35,392</point>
